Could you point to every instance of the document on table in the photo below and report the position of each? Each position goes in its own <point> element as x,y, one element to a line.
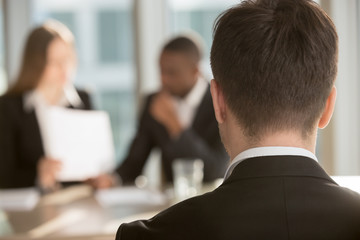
<point>351,182</point>
<point>81,140</point>
<point>19,199</point>
<point>129,196</point>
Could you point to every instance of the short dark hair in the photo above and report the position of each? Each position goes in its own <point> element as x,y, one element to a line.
<point>276,63</point>
<point>184,45</point>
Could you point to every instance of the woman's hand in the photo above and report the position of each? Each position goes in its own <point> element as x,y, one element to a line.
<point>48,169</point>
<point>102,181</point>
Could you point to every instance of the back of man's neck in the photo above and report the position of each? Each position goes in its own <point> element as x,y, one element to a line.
<point>279,139</point>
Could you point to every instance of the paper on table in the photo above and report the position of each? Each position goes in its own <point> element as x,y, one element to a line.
<point>18,199</point>
<point>351,182</point>
<point>129,196</point>
<point>81,140</point>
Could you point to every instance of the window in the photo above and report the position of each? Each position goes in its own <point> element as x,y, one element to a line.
<point>66,18</point>
<point>197,16</point>
<point>112,27</point>
<point>199,20</point>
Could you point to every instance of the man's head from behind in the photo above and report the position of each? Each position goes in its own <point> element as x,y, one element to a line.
<point>275,62</point>
<point>179,65</point>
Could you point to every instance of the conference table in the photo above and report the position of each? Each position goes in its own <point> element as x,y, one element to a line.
<point>79,212</point>
<point>76,213</point>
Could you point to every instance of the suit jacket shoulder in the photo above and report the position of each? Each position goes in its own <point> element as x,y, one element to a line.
<point>177,222</point>
<point>12,103</point>
<point>265,198</point>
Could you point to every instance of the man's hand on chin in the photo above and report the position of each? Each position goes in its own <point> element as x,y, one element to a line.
<point>162,110</point>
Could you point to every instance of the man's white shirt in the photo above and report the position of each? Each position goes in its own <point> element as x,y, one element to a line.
<point>186,107</point>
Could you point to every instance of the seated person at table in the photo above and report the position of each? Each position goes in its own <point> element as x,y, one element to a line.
<point>179,119</point>
<point>274,64</point>
<point>44,80</point>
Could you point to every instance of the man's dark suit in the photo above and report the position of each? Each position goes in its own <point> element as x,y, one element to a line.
<point>277,197</point>
<point>201,140</point>
<point>21,145</point>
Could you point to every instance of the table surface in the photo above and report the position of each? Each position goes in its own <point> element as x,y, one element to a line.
<point>74,213</point>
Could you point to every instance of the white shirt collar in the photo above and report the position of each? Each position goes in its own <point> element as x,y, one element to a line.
<point>186,107</point>
<point>194,97</point>
<point>268,151</point>
<point>34,99</point>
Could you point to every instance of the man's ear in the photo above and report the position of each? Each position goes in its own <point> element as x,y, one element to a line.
<point>329,109</point>
<point>218,101</point>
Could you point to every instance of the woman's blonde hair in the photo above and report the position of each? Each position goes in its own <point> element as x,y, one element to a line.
<point>35,54</point>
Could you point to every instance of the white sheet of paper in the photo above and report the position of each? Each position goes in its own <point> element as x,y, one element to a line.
<point>81,140</point>
<point>351,182</point>
<point>129,196</point>
<point>23,199</point>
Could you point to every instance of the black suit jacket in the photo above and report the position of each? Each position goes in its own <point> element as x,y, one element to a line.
<point>277,197</point>
<point>21,145</point>
<point>201,140</point>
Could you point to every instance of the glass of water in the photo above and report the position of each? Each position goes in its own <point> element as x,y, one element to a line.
<point>188,177</point>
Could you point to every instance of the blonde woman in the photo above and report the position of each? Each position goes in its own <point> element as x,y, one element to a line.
<point>44,80</point>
